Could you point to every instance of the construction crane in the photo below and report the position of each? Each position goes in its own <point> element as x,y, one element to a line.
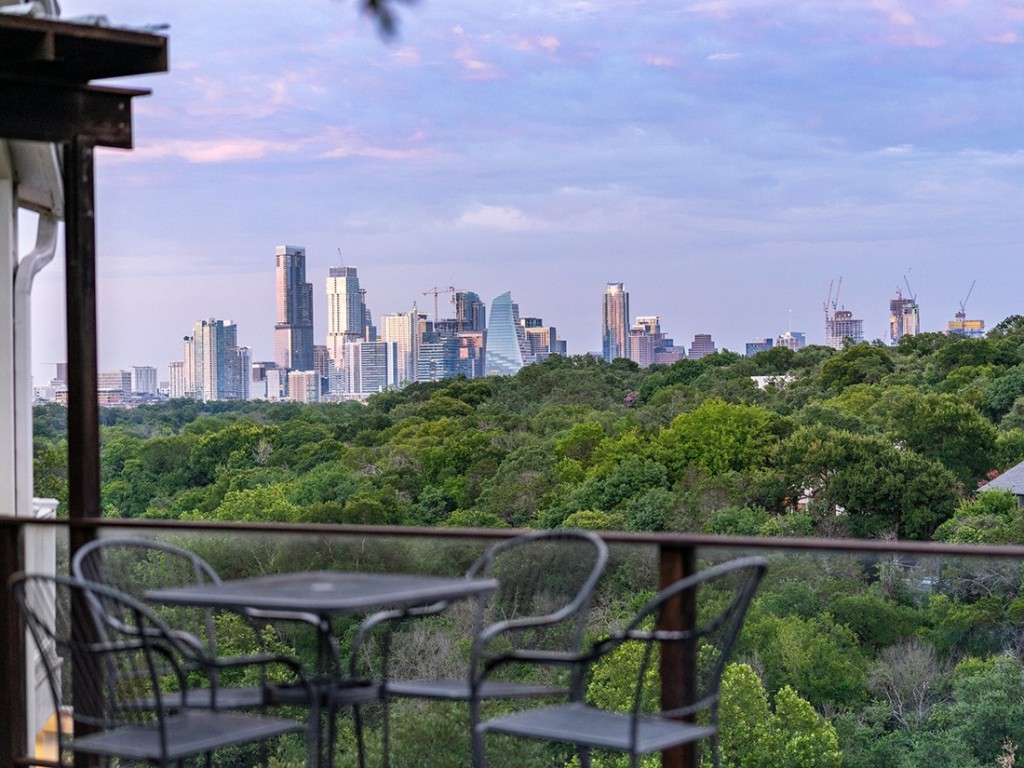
<point>437,292</point>
<point>910,291</point>
<point>961,316</point>
<point>830,302</point>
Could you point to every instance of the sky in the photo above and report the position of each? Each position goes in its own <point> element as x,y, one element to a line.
<point>728,160</point>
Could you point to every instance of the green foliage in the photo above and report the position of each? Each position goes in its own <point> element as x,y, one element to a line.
<point>719,437</point>
<point>857,364</point>
<point>991,517</point>
<point>815,656</point>
<point>867,483</point>
<point>753,735</point>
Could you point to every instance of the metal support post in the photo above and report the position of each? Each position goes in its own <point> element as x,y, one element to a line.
<point>678,662</point>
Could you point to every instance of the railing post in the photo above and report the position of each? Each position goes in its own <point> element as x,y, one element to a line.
<point>13,709</point>
<point>83,396</point>
<point>678,662</point>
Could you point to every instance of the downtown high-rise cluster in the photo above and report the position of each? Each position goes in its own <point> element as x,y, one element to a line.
<point>643,342</point>
<point>359,357</point>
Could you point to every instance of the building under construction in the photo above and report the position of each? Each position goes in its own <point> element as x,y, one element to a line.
<point>961,326</point>
<point>841,327</point>
<point>904,316</point>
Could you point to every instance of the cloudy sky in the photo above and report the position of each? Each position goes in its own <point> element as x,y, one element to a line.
<point>726,159</point>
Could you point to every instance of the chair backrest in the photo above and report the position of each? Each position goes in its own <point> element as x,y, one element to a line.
<point>546,580</point>
<point>721,595</point>
<point>98,674</point>
<point>134,566</point>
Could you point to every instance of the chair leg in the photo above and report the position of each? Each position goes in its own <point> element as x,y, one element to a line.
<point>479,753</point>
<point>385,731</point>
<point>332,734</point>
<point>584,755</point>
<point>357,717</point>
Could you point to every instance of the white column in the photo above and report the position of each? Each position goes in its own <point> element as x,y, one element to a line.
<point>8,263</point>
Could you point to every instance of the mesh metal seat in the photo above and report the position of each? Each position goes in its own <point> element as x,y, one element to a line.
<point>126,684</point>
<point>725,592</point>
<point>546,580</point>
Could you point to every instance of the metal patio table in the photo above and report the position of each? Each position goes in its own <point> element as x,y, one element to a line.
<point>325,594</point>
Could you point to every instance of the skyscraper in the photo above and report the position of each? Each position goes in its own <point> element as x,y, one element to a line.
<point>402,329</point>
<point>293,332</point>
<point>506,338</point>
<point>615,322</point>
<point>215,367</point>
<point>843,328</point>
<point>649,345</point>
<point>370,368</point>
<point>143,379</point>
<point>346,312</point>
<point>469,312</point>
<point>702,346</point>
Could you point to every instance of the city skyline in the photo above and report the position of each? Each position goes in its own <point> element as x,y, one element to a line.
<point>724,160</point>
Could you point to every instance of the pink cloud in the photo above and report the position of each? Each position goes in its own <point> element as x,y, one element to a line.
<point>1006,38</point>
<point>214,150</point>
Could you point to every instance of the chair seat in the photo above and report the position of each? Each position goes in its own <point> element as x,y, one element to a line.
<point>458,690</point>
<point>203,698</point>
<point>338,693</point>
<point>587,726</point>
<point>188,734</point>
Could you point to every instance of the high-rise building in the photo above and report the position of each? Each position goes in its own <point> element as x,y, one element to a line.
<point>961,326</point>
<point>791,340</point>
<point>472,354</point>
<point>215,367</point>
<point>347,319</point>
<point>648,345</point>
<point>541,340</point>
<point>143,380</point>
<point>702,346</point>
<point>842,328</point>
<point>304,386</point>
<point>470,314</point>
<point>176,380</point>
<point>322,361</point>
<point>120,381</point>
<point>759,345</point>
<point>370,367</point>
<point>904,316</point>
<point>506,338</point>
<point>293,331</point>
<point>403,330</point>
<point>615,322</point>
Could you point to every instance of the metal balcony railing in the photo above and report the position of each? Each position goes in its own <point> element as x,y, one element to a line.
<point>656,559</point>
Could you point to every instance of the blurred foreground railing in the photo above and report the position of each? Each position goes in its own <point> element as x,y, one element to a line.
<point>663,559</point>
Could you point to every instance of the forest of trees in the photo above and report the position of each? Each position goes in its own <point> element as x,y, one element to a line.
<point>852,663</point>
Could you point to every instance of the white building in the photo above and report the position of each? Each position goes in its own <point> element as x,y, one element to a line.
<point>402,330</point>
<point>143,380</point>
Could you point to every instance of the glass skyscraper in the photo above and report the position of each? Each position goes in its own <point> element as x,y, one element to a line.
<point>293,331</point>
<point>615,322</point>
<point>506,338</point>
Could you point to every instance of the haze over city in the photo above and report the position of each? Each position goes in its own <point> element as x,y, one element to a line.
<point>726,160</point>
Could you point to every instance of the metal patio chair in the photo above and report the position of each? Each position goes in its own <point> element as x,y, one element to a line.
<point>126,683</point>
<point>135,565</point>
<point>546,581</point>
<point>645,728</point>
<point>138,565</point>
